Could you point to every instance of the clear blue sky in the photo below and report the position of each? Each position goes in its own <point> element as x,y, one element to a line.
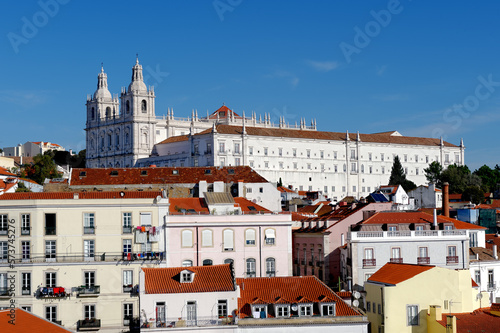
<point>366,66</point>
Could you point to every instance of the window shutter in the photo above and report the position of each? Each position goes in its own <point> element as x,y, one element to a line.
<point>187,238</point>
<point>228,239</point>
<point>145,218</point>
<point>206,238</point>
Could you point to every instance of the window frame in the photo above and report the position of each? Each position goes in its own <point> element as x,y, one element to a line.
<point>412,319</point>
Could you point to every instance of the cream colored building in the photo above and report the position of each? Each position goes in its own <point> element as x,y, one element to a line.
<point>399,295</point>
<point>84,243</point>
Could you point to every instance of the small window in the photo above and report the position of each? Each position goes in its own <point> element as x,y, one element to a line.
<point>186,277</point>
<point>412,315</point>
<point>187,238</point>
<point>83,173</point>
<point>175,172</point>
<point>230,171</point>
<point>222,308</point>
<point>250,236</point>
<point>208,262</point>
<point>114,173</point>
<point>270,235</point>
<point>187,263</point>
<point>144,172</point>
<point>208,172</point>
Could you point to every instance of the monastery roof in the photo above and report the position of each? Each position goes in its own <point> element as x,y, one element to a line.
<point>284,189</point>
<point>225,113</point>
<point>393,274</point>
<point>28,322</point>
<point>415,217</point>
<point>484,320</point>
<point>182,175</point>
<point>214,278</point>
<point>270,290</point>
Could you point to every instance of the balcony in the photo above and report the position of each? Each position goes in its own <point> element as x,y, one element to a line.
<point>88,291</point>
<point>397,260</point>
<point>423,260</point>
<point>492,286</point>
<point>424,234</point>
<point>4,292</point>
<point>25,231</point>
<point>25,291</point>
<point>127,229</point>
<point>82,257</point>
<point>89,230</point>
<point>53,292</point>
<point>183,323</point>
<point>89,324</point>
<point>50,231</point>
<point>451,260</point>
<point>369,262</point>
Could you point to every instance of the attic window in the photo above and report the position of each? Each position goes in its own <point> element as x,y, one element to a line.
<point>175,172</point>
<point>114,173</point>
<point>83,173</point>
<point>230,171</point>
<point>252,208</point>
<point>186,276</point>
<point>208,171</point>
<point>222,113</point>
<point>144,172</point>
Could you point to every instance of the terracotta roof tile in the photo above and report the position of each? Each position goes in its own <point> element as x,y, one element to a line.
<point>292,288</point>
<point>28,322</point>
<point>337,136</point>
<point>226,111</point>
<point>480,321</point>
<point>395,273</point>
<point>5,172</point>
<point>81,195</point>
<point>161,176</point>
<point>206,279</point>
<point>284,189</point>
<point>198,205</point>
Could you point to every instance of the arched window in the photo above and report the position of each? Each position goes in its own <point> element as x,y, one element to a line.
<point>270,267</point>
<point>127,106</point>
<point>126,138</point>
<point>208,262</point>
<point>362,168</point>
<point>117,139</point>
<point>228,261</point>
<point>270,236</point>
<point>228,236</point>
<point>145,138</point>
<point>187,263</point>
<point>91,143</point>
<point>250,267</point>
<point>92,113</point>
<point>144,106</point>
<point>117,164</point>
<point>206,238</point>
<point>187,238</point>
<point>109,140</point>
<point>108,112</point>
<point>250,237</point>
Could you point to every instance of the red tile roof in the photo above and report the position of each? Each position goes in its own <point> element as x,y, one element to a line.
<point>479,321</point>
<point>285,189</point>
<point>206,279</point>
<point>416,217</point>
<point>161,176</point>
<point>493,239</point>
<point>5,172</point>
<point>395,273</point>
<point>295,289</point>
<point>28,322</point>
<point>226,114</point>
<point>178,205</point>
<point>337,136</point>
<point>81,195</point>
<point>311,209</point>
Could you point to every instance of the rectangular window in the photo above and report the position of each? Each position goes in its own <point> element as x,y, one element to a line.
<point>294,152</point>
<point>353,154</point>
<point>308,166</point>
<point>89,279</point>
<point>127,222</point>
<point>236,148</point>
<point>473,239</point>
<point>322,154</point>
<point>477,276</point>
<point>382,157</point>
<point>427,159</point>
<point>491,280</point>
<point>457,159</point>
<point>25,246</point>
<point>452,251</point>
<point>222,147</point>
<point>368,307</point>
<point>416,158</point>
<point>237,162</point>
<point>89,248</point>
<point>4,224</point>
<point>89,310</point>
<point>25,224</point>
<point>50,250</point>
<point>250,267</point>
<point>196,148</point>
<point>446,158</point>
<point>88,223</point>
<point>308,153</point>
<point>161,313</point>
<point>305,310</point>
<point>266,164</point>
<point>412,315</point>
<point>209,148</point>
<point>128,313</point>
<point>281,165</point>
<point>416,171</point>
<point>343,188</point>
<point>354,188</point>
<point>127,246</point>
<point>335,155</point>
<point>327,310</point>
<point>369,156</point>
<point>145,219</point>
<point>26,283</point>
<point>4,250</point>
<point>396,253</point>
<point>353,167</point>
<point>265,151</point>
<point>335,168</point>
<point>250,150</point>
<point>4,283</point>
<point>283,311</point>
<point>295,165</point>
<point>50,224</point>
<point>50,279</point>
<point>406,158</point>
<point>206,238</point>
<point>228,235</point>
<point>127,281</point>
<point>383,170</point>
<point>222,308</point>
<point>280,151</point>
<point>326,189</point>
<point>51,313</point>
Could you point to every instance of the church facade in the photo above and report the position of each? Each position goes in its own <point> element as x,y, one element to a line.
<point>126,132</point>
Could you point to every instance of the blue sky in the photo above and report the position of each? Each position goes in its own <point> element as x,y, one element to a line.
<point>419,67</point>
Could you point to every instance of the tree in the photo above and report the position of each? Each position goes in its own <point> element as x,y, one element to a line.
<point>22,188</point>
<point>42,168</point>
<point>459,177</point>
<point>280,183</point>
<point>474,194</point>
<point>433,173</point>
<point>398,176</point>
<point>489,177</point>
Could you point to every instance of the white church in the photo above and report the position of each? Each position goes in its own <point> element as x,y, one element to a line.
<point>126,132</point>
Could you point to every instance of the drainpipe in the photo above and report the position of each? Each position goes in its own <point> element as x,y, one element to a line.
<point>463,255</point>
<point>260,251</point>
<point>197,249</point>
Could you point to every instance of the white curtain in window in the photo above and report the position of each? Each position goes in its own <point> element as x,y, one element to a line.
<point>228,239</point>
<point>187,238</point>
<point>206,238</point>
<point>145,218</point>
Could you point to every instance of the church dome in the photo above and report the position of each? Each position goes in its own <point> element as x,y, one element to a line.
<point>102,93</point>
<point>137,83</point>
<point>137,86</point>
<point>102,85</point>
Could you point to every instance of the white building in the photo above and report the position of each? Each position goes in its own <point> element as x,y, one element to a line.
<point>30,149</point>
<point>485,270</point>
<point>427,196</point>
<point>408,237</point>
<point>130,134</point>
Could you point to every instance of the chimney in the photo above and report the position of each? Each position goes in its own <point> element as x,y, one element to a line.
<point>495,253</point>
<point>446,200</point>
<point>435,220</point>
<point>435,312</point>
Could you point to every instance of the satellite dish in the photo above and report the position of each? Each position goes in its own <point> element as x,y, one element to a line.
<point>479,296</point>
<point>294,307</point>
<point>356,294</point>
<point>355,303</point>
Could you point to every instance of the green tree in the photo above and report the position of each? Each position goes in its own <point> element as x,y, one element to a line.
<point>43,167</point>
<point>459,177</point>
<point>474,194</point>
<point>433,173</point>
<point>398,176</point>
<point>280,183</point>
<point>489,177</point>
<point>22,188</point>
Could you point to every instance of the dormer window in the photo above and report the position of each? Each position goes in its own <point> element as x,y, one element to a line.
<point>392,228</point>
<point>282,310</point>
<point>83,173</point>
<point>448,227</point>
<point>144,172</point>
<point>187,276</point>
<point>305,310</point>
<point>175,172</point>
<point>208,171</point>
<point>259,311</point>
<point>114,173</point>
<point>327,309</point>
